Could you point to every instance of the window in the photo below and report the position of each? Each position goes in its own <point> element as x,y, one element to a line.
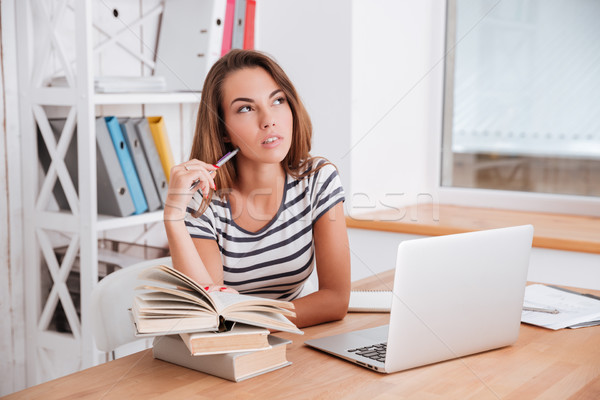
<point>522,97</point>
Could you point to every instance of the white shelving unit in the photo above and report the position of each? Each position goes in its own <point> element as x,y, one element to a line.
<point>82,225</point>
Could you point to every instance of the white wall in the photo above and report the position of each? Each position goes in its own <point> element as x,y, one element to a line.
<point>311,40</point>
<point>397,60</point>
<point>371,76</point>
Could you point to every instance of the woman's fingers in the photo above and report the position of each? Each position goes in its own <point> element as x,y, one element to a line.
<point>219,288</point>
<point>195,175</point>
<point>185,179</point>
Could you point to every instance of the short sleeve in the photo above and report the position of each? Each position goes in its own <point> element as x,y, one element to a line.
<point>202,227</point>
<point>326,190</point>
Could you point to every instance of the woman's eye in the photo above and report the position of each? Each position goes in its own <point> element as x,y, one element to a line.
<point>279,100</point>
<point>244,109</point>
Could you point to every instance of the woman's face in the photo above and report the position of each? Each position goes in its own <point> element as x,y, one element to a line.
<point>258,118</point>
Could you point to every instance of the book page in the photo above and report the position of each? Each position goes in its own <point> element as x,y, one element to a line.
<point>177,280</point>
<point>160,297</point>
<point>170,307</point>
<point>191,296</point>
<point>226,302</point>
<point>264,319</point>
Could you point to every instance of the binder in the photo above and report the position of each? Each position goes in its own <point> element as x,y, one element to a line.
<point>249,24</point>
<point>113,194</point>
<point>189,42</point>
<point>158,174</point>
<point>140,162</point>
<point>228,27</point>
<point>125,161</point>
<point>237,37</point>
<point>161,141</point>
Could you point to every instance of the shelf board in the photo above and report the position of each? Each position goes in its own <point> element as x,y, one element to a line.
<point>146,98</point>
<point>67,222</point>
<point>108,222</point>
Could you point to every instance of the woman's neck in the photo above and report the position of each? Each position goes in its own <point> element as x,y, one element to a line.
<point>252,177</point>
<point>257,194</point>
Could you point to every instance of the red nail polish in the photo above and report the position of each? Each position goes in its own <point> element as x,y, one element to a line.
<point>206,287</point>
<point>216,166</point>
<point>223,289</point>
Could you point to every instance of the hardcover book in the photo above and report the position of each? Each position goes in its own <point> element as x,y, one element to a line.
<point>232,366</point>
<point>240,338</point>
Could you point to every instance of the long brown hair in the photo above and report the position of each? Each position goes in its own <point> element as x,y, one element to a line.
<point>209,138</point>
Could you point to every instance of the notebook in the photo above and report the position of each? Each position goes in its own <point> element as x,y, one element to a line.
<point>453,296</point>
<point>370,301</point>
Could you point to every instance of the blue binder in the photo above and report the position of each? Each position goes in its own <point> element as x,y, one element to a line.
<point>124,155</point>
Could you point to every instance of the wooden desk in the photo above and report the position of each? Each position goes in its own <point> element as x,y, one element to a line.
<point>543,363</point>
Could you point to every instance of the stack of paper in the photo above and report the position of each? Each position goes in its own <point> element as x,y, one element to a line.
<point>121,84</point>
<point>571,309</point>
<point>370,301</point>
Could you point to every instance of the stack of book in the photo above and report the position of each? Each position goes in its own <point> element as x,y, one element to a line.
<point>219,333</point>
<point>133,162</point>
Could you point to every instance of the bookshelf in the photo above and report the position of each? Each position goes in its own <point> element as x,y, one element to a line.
<point>39,25</point>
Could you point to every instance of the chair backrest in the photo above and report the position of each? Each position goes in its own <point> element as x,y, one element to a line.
<point>111,300</point>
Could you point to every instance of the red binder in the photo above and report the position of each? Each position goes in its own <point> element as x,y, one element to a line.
<point>249,27</point>
<point>228,27</point>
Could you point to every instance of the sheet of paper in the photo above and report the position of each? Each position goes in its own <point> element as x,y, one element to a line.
<point>572,308</point>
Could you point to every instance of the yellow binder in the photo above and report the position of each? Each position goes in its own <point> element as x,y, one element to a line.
<point>161,140</point>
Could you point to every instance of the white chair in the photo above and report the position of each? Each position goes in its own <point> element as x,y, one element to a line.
<point>111,300</point>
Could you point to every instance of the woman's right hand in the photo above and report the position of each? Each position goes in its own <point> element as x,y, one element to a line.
<point>180,191</point>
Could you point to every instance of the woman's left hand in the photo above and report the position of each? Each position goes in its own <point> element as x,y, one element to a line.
<point>219,288</point>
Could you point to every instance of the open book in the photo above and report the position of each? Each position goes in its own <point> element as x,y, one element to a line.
<point>177,304</point>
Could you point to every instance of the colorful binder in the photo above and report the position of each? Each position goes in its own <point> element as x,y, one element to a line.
<point>141,163</point>
<point>113,194</point>
<point>158,174</point>
<point>237,37</point>
<point>249,24</point>
<point>161,141</point>
<point>228,27</point>
<point>126,163</point>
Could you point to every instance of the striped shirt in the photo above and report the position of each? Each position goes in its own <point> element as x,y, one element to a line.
<point>275,261</point>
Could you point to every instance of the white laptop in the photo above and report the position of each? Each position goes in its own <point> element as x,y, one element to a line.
<point>453,296</point>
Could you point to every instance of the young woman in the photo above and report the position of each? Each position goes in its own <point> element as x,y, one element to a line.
<point>260,223</point>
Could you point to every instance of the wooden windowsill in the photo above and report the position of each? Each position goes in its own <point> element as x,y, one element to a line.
<point>552,231</point>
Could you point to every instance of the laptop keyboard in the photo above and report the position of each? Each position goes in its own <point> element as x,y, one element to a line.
<point>375,352</point>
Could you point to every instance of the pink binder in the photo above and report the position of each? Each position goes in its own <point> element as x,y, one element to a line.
<point>228,27</point>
